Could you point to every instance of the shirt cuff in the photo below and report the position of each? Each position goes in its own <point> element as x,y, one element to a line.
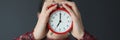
<point>26,36</point>
<point>87,36</point>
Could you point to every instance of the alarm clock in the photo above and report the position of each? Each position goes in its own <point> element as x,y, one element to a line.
<point>60,21</point>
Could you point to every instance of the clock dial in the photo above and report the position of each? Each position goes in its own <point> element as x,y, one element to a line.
<point>60,21</point>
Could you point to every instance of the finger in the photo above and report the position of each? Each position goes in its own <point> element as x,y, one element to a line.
<point>50,10</point>
<point>73,6</point>
<point>38,14</point>
<point>58,36</point>
<point>69,3</point>
<point>48,4</point>
<point>49,0</point>
<point>69,10</point>
<point>50,32</point>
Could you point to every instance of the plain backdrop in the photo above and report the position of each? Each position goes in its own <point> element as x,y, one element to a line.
<point>100,17</point>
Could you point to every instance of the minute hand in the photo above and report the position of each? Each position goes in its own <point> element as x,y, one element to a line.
<point>60,16</point>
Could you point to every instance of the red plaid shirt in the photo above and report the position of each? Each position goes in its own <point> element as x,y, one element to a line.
<point>29,36</point>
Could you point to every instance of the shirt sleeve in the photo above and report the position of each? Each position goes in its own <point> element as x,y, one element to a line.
<point>26,36</point>
<point>88,36</point>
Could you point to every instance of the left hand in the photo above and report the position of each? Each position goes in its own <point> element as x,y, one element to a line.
<point>78,29</point>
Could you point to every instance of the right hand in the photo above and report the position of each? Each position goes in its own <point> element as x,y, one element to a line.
<point>78,28</point>
<point>40,28</point>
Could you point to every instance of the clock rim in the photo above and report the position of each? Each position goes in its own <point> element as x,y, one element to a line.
<point>68,30</point>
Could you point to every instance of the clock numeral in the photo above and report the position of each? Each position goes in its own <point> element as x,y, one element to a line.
<point>64,28</point>
<point>64,14</point>
<point>67,17</point>
<point>52,25</point>
<point>68,21</point>
<point>53,17</point>
<point>51,20</point>
<point>55,14</point>
<point>67,25</point>
<point>59,29</point>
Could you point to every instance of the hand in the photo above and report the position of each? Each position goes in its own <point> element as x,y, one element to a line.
<point>78,30</point>
<point>55,36</point>
<point>40,29</point>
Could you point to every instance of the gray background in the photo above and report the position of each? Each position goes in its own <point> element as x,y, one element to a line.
<point>100,17</point>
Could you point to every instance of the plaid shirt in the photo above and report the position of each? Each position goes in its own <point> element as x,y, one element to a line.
<point>29,36</point>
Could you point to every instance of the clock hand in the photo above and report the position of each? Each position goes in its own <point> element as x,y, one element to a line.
<point>60,16</point>
<point>58,23</point>
<point>59,20</point>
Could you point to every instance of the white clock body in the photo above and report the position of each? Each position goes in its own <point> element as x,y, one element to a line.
<point>60,21</point>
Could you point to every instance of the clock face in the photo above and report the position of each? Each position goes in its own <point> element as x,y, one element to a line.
<point>60,21</point>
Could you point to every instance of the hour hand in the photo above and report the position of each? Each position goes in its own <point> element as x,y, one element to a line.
<point>58,24</point>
